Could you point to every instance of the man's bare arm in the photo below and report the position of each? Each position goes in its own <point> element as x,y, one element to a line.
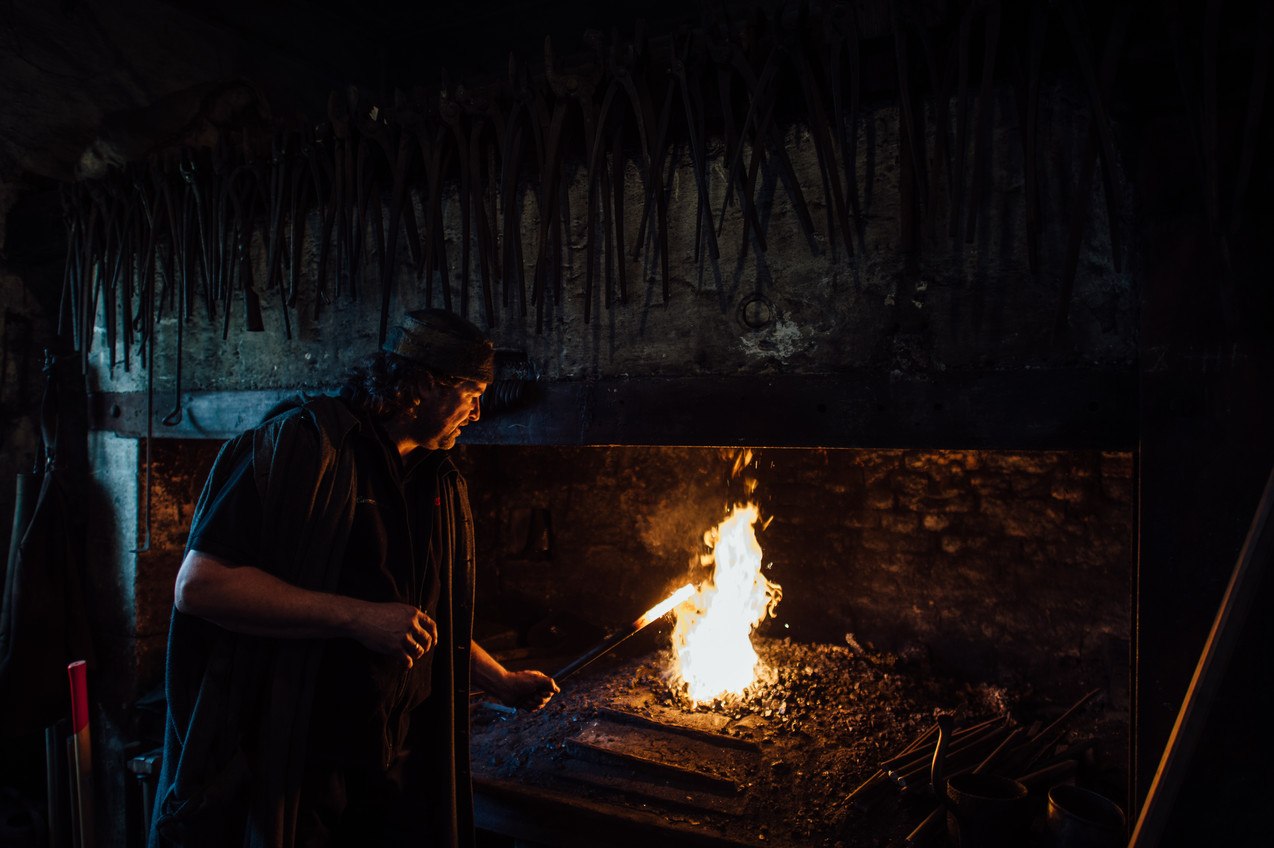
<point>529,690</point>
<point>246,599</point>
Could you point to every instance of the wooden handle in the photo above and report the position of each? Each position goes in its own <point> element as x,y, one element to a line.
<point>77,672</point>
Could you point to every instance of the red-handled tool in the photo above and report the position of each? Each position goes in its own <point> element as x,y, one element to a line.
<point>81,743</point>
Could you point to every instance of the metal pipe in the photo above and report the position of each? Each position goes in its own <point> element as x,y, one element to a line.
<point>608,644</point>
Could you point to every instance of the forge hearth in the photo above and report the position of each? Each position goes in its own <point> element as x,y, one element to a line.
<point>621,753</point>
<point>980,583</point>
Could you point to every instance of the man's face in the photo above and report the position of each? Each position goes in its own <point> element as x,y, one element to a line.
<point>443,410</point>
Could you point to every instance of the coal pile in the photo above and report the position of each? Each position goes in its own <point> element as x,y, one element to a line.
<point>772,767</point>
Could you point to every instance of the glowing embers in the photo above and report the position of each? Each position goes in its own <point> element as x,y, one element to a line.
<point>713,655</point>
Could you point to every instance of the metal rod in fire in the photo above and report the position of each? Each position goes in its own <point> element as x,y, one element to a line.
<point>608,644</point>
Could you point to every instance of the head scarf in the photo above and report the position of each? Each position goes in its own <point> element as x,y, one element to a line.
<point>446,344</point>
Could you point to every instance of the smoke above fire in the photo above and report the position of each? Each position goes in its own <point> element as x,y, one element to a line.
<point>713,657</point>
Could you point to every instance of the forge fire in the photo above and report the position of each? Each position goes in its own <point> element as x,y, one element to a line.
<point>712,641</point>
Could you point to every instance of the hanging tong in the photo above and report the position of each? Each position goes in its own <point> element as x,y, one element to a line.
<point>521,123</point>
<point>397,143</point>
<point>247,190</point>
<point>793,45</point>
<point>727,57</point>
<point>914,163</point>
<point>275,185</point>
<point>180,281</point>
<point>984,115</point>
<point>452,116</point>
<point>686,68</point>
<point>323,177</point>
<point>1079,213</point>
<point>762,101</point>
<point>73,218</point>
<point>486,136</point>
<point>300,192</point>
<point>196,198</point>
<point>622,91</point>
<point>342,192</point>
<point>1028,108</point>
<point>840,36</point>
<point>580,87</point>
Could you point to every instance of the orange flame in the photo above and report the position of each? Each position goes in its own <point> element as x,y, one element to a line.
<point>712,640</point>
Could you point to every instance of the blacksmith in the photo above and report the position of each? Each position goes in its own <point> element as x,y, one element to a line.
<point>321,645</point>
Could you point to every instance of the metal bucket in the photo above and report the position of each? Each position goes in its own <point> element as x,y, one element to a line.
<point>1078,818</point>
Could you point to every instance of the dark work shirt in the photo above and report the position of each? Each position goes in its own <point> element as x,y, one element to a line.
<point>363,700</point>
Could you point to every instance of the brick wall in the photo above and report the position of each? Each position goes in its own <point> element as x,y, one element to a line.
<point>999,566</point>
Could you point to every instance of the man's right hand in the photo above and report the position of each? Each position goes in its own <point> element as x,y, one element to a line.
<point>395,630</point>
<point>246,599</point>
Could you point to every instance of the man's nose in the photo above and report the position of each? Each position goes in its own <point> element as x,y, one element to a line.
<point>475,412</point>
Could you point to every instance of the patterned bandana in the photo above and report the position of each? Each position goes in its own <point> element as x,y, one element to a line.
<point>444,343</point>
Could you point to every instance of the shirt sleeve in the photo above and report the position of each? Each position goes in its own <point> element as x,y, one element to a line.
<point>229,524</point>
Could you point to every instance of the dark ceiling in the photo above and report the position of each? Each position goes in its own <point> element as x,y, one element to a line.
<point>67,67</point>
<point>138,73</point>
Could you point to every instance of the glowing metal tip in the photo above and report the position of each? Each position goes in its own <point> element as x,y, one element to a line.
<point>661,608</point>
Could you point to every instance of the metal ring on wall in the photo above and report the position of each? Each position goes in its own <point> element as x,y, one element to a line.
<point>756,312</point>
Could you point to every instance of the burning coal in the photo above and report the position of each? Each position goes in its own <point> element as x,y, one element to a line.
<point>713,655</point>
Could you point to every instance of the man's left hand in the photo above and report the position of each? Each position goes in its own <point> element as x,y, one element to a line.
<point>527,690</point>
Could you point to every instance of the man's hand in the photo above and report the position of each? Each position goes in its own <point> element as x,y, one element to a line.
<point>246,599</point>
<point>395,629</point>
<point>527,690</point>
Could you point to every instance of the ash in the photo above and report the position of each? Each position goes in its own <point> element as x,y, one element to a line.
<point>822,716</point>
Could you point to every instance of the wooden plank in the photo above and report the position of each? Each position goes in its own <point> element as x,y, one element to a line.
<point>719,739</point>
<point>569,820</point>
<point>599,747</point>
<point>702,800</point>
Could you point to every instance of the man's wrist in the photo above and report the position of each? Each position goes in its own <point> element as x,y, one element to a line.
<point>501,683</point>
<point>345,615</point>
